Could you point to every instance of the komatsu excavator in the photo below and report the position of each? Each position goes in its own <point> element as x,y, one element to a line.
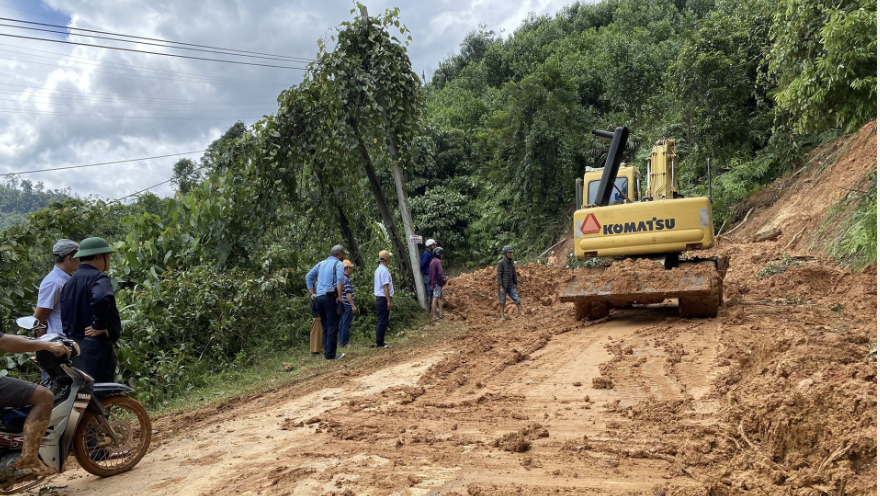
<point>613,221</point>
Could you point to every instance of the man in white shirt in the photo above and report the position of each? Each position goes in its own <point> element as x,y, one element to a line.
<point>48,310</point>
<point>383,289</point>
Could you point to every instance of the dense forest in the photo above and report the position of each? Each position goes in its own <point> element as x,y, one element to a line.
<point>487,152</point>
<point>19,197</point>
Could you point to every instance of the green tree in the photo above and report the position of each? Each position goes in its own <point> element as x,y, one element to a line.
<point>824,57</point>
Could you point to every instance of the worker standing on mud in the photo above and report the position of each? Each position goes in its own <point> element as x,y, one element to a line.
<point>438,280</point>
<point>507,280</point>
<point>383,289</point>
<point>325,284</point>
<point>425,267</point>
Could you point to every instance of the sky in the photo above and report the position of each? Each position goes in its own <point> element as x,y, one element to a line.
<point>64,104</point>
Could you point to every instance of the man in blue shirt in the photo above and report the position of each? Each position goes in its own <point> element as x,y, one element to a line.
<point>88,311</point>
<point>326,283</point>
<point>425,267</point>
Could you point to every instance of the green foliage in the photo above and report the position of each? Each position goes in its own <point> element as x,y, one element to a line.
<point>19,197</point>
<point>776,267</point>
<point>824,55</point>
<point>857,244</point>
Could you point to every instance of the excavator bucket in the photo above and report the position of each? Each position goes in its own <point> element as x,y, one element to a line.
<point>697,284</point>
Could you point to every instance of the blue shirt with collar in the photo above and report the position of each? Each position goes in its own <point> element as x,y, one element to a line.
<point>324,274</point>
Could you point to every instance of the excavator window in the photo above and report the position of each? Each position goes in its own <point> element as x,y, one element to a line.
<point>622,184</point>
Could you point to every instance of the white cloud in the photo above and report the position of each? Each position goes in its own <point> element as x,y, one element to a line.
<point>67,105</point>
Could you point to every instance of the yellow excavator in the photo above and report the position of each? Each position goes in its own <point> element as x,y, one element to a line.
<point>642,238</point>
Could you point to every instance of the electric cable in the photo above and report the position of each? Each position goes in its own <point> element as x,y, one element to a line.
<point>296,59</point>
<point>147,76</point>
<point>69,114</point>
<point>278,58</point>
<point>113,98</point>
<point>247,149</point>
<point>105,64</point>
<point>20,173</point>
<point>241,62</point>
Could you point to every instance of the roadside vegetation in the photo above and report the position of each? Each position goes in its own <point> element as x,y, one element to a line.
<point>211,281</point>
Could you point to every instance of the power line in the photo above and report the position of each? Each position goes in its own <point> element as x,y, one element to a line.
<point>68,114</point>
<point>297,59</point>
<point>279,58</point>
<point>91,106</point>
<point>19,173</point>
<point>105,63</point>
<point>255,145</point>
<point>113,98</point>
<point>157,104</point>
<point>151,53</point>
<point>101,71</point>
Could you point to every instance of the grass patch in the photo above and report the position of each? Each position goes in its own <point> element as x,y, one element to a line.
<point>268,372</point>
<point>849,232</point>
<point>776,267</point>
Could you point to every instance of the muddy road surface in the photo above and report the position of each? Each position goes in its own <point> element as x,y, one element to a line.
<point>772,396</point>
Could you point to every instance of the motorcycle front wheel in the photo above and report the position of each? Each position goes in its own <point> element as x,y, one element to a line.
<point>93,444</point>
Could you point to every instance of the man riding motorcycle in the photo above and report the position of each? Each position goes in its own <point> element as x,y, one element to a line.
<point>17,393</point>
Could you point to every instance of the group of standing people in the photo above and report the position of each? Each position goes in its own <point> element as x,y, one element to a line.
<point>333,304</point>
<point>76,300</point>
<point>431,266</point>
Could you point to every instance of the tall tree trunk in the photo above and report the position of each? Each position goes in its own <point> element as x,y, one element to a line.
<point>349,237</point>
<point>402,200</point>
<point>376,187</point>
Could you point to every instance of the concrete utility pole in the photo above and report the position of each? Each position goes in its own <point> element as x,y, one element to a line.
<point>402,199</point>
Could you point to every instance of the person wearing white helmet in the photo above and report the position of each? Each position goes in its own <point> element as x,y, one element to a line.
<point>48,310</point>
<point>425,267</point>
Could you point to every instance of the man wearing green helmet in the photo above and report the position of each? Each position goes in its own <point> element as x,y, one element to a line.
<point>88,311</point>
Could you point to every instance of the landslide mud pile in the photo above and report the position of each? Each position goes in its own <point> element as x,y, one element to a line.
<point>475,295</point>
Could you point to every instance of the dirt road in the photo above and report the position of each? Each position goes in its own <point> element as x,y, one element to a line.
<point>642,403</point>
<point>774,396</point>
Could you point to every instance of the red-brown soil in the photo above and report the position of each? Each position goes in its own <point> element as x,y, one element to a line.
<point>773,396</point>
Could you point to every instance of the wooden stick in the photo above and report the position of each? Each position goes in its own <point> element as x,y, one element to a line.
<point>793,239</point>
<point>743,221</point>
<point>720,230</point>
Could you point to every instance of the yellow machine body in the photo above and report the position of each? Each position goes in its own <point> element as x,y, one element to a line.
<point>659,225</point>
<point>644,228</point>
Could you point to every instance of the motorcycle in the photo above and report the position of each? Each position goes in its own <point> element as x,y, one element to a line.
<point>107,431</point>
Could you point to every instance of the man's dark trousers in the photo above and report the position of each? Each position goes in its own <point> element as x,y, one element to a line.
<point>96,358</point>
<point>329,324</point>
<point>381,319</point>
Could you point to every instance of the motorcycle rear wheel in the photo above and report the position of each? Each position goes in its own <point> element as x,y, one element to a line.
<point>93,447</point>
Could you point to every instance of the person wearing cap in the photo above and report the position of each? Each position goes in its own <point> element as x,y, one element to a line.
<point>348,300</point>
<point>48,310</point>
<point>325,284</point>
<point>507,280</point>
<point>438,280</point>
<point>383,289</point>
<point>88,311</point>
<point>425,267</point>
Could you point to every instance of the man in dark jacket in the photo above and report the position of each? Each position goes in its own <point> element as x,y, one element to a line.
<point>507,280</point>
<point>425,267</point>
<point>88,311</point>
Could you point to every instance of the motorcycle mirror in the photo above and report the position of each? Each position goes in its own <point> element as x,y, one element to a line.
<point>27,323</point>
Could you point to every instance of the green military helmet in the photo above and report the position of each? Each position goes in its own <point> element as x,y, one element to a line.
<point>93,246</point>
